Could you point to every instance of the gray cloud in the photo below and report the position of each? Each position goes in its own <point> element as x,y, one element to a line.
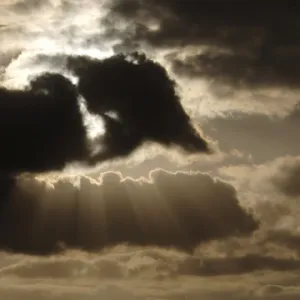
<point>270,190</point>
<point>288,177</point>
<point>257,136</point>
<point>276,178</point>
<point>246,54</point>
<point>179,210</point>
<point>21,7</point>
<point>227,56</point>
<point>244,264</point>
<point>252,35</point>
<point>135,273</point>
<point>239,71</point>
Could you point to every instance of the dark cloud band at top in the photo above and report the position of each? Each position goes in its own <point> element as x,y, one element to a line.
<point>246,42</point>
<point>231,24</point>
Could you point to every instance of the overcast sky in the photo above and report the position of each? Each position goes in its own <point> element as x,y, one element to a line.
<point>168,173</point>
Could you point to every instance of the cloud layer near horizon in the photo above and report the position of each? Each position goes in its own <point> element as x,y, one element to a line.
<point>124,271</point>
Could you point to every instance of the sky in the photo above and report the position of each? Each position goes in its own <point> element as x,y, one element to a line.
<point>149,149</point>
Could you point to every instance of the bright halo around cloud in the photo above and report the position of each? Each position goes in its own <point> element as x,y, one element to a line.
<point>50,46</point>
<point>26,66</point>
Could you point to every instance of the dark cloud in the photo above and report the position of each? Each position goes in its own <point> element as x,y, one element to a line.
<point>143,96</point>
<point>173,210</point>
<point>42,127</point>
<point>220,23</point>
<point>239,70</point>
<point>246,42</point>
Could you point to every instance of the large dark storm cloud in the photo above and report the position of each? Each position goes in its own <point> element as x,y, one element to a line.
<point>236,42</point>
<point>41,128</point>
<point>173,210</point>
<point>142,95</point>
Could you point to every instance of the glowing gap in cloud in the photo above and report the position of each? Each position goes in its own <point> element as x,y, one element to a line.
<point>25,67</point>
<point>94,125</point>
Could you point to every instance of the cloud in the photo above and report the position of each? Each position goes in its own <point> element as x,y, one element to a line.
<point>144,98</point>
<point>238,71</point>
<point>223,57</point>
<point>269,190</point>
<point>41,128</point>
<point>66,267</point>
<point>135,273</point>
<point>173,210</point>
<point>148,263</point>
<point>238,55</point>
<point>287,178</point>
<point>248,61</point>
<point>22,7</point>
<point>240,265</point>
<point>192,23</point>
<point>46,123</point>
<point>6,58</point>
<point>246,31</point>
<point>285,237</point>
<point>255,135</point>
<point>277,175</point>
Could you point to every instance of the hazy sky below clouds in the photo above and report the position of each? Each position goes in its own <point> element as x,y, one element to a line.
<point>170,174</point>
